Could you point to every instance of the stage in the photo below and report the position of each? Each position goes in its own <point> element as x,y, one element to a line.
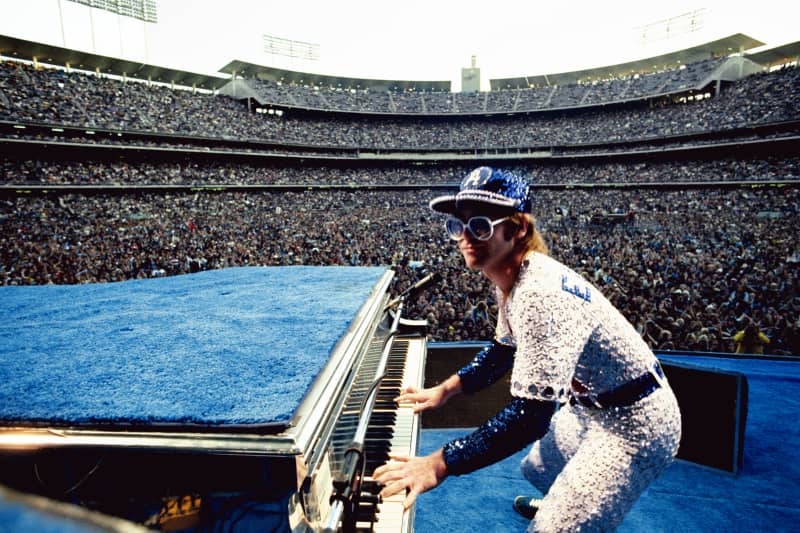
<point>688,497</point>
<point>199,364</point>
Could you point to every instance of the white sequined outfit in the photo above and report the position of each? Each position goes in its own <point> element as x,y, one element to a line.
<point>593,464</point>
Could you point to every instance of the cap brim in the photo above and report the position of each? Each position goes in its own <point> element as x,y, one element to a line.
<point>485,197</point>
<point>443,204</point>
<point>449,204</point>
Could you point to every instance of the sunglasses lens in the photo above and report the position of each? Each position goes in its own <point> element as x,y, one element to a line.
<point>481,227</point>
<point>454,228</point>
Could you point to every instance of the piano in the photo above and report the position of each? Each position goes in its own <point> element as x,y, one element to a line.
<point>309,474</point>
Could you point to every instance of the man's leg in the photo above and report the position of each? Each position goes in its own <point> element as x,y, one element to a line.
<point>547,458</point>
<point>614,464</point>
<point>549,454</point>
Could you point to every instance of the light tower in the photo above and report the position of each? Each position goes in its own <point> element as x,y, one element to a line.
<point>471,78</point>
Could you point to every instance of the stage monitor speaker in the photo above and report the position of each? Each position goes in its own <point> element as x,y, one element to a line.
<point>713,414</point>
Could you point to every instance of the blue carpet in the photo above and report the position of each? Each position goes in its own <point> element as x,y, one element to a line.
<point>239,346</point>
<point>15,517</point>
<point>686,498</point>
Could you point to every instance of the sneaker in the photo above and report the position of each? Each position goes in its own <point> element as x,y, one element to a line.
<point>526,506</point>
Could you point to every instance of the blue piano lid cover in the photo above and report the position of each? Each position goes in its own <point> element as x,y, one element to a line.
<point>238,346</point>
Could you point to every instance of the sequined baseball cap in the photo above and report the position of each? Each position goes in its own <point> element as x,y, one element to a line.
<point>490,186</point>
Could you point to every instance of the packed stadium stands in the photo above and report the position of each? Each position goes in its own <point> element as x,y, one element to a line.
<point>55,97</point>
<point>682,210</point>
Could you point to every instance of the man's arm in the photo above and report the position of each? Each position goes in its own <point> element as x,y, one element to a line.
<point>432,397</point>
<point>489,365</point>
<point>521,422</point>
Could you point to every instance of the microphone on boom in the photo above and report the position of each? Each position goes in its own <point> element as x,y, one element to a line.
<point>415,288</point>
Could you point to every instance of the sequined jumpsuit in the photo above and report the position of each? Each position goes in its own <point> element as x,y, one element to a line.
<point>561,338</point>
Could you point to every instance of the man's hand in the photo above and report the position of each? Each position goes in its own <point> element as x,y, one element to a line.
<point>415,475</point>
<point>431,398</point>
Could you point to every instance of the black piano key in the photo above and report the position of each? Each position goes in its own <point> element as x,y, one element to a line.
<point>367,513</point>
<point>371,486</point>
<point>380,429</point>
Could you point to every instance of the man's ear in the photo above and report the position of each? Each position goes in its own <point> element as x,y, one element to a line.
<point>515,229</point>
<point>523,228</point>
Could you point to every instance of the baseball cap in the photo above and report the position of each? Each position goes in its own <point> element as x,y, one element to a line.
<point>488,186</point>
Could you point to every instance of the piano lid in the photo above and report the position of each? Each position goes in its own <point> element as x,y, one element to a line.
<point>237,359</point>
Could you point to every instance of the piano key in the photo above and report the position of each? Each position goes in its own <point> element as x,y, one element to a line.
<point>393,430</point>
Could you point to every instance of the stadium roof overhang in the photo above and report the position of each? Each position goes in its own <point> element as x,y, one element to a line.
<point>243,69</point>
<point>56,55</point>
<point>30,50</point>
<point>778,55</point>
<point>721,47</point>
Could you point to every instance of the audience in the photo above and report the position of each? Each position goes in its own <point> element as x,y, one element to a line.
<point>193,172</point>
<point>503,101</point>
<point>56,97</point>
<point>689,268</point>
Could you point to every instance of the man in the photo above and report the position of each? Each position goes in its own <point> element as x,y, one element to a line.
<point>586,388</point>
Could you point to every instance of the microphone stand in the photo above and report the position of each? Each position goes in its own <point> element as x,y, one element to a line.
<point>347,484</point>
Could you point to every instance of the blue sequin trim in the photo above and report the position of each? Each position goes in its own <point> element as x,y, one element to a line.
<point>488,366</point>
<point>521,422</point>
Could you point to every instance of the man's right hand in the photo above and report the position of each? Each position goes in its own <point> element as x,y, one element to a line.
<point>430,398</point>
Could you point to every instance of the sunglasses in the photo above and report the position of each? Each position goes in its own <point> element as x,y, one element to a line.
<point>482,228</point>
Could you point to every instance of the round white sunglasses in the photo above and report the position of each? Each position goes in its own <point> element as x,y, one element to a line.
<point>482,228</point>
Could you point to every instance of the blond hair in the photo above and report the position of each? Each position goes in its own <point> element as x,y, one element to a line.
<point>533,240</point>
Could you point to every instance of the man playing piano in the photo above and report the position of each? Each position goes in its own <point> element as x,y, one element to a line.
<point>587,390</point>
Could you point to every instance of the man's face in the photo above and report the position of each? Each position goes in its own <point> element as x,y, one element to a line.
<point>478,254</point>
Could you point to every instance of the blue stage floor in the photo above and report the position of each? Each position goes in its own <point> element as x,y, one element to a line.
<point>687,497</point>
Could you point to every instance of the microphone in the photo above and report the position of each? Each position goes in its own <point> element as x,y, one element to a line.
<point>424,282</point>
<point>415,288</point>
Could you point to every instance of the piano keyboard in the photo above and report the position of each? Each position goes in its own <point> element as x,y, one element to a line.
<point>393,431</point>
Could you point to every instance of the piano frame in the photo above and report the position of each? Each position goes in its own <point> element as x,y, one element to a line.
<point>304,442</point>
<point>297,439</point>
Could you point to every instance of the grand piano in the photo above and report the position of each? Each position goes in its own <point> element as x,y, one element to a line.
<point>256,398</point>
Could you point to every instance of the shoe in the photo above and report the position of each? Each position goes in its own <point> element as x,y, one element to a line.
<point>526,506</point>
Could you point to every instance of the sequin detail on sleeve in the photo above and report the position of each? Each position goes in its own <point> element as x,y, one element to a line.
<point>488,366</point>
<point>521,422</point>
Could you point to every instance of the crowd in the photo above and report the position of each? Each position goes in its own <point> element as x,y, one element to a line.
<point>157,143</point>
<point>54,96</point>
<point>497,101</point>
<point>193,172</point>
<point>689,268</point>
